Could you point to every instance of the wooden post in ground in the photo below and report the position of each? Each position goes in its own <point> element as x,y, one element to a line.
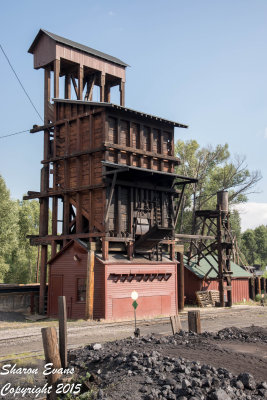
<point>62,322</point>
<point>175,324</point>
<point>90,277</point>
<point>51,353</point>
<point>194,324</point>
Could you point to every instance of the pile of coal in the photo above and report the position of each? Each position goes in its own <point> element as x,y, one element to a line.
<point>131,369</point>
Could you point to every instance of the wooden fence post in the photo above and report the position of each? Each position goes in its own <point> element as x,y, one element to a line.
<point>194,324</point>
<point>51,352</point>
<point>62,324</point>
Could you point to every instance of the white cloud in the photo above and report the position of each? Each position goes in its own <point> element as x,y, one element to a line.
<point>252,214</point>
<point>111,13</point>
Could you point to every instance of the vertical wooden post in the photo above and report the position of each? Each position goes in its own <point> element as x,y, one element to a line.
<point>122,93</point>
<point>130,247</point>
<point>47,94</point>
<point>107,93</point>
<point>172,251</point>
<point>220,259</point>
<point>180,276</point>
<point>105,249</point>
<point>194,324</point>
<point>89,304</point>
<point>62,321</point>
<point>56,78</point>
<point>259,285</point>
<point>67,87</point>
<point>51,353</point>
<point>253,283</point>
<point>80,82</point>
<point>102,87</point>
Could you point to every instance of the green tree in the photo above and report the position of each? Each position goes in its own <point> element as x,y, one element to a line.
<point>24,256</point>
<point>215,171</point>
<point>249,246</point>
<point>8,228</point>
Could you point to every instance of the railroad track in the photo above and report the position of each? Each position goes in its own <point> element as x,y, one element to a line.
<point>76,330</point>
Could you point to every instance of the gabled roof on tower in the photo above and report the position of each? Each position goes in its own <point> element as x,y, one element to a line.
<point>75,45</point>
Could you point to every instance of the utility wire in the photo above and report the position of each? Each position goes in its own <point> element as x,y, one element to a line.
<point>13,134</point>
<point>24,90</point>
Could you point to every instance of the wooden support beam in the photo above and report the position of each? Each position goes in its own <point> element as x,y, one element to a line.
<point>130,248</point>
<point>61,192</point>
<point>122,93</point>
<point>194,324</point>
<point>75,86</point>
<point>105,249</point>
<point>119,219</point>
<point>220,259</point>
<point>47,93</point>
<point>110,196</point>
<point>56,78</point>
<point>67,93</point>
<point>102,87</point>
<point>80,82</point>
<point>107,93</point>
<point>62,325</point>
<point>89,305</point>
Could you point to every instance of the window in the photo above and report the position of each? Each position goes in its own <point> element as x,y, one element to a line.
<point>81,289</point>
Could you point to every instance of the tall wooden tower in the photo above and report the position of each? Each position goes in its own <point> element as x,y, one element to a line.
<point>108,169</point>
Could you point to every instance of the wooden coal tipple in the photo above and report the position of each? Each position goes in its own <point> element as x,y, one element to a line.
<point>108,169</point>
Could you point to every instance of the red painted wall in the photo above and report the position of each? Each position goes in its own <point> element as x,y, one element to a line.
<point>155,297</point>
<point>240,287</point>
<point>112,300</point>
<point>65,266</point>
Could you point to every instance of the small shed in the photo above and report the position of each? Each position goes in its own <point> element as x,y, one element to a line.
<point>114,281</point>
<point>203,277</point>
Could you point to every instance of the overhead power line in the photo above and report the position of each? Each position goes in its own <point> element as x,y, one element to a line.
<point>24,90</point>
<point>15,133</point>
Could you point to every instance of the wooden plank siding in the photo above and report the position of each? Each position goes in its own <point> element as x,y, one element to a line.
<point>192,284</point>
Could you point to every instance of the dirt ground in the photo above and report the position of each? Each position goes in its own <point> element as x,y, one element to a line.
<point>236,351</point>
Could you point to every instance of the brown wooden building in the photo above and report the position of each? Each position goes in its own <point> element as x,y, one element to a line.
<point>108,171</point>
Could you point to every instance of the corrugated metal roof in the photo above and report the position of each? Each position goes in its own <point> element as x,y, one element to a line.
<point>117,107</point>
<point>77,46</point>
<point>201,270</point>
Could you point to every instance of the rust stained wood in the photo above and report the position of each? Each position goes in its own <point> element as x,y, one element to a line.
<point>56,77</point>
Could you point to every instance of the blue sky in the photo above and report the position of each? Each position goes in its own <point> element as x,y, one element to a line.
<point>203,63</point>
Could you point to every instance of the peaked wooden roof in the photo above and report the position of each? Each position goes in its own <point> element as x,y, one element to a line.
<point>75,45</point>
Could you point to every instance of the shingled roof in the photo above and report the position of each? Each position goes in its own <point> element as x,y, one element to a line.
<point>75,45</point>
